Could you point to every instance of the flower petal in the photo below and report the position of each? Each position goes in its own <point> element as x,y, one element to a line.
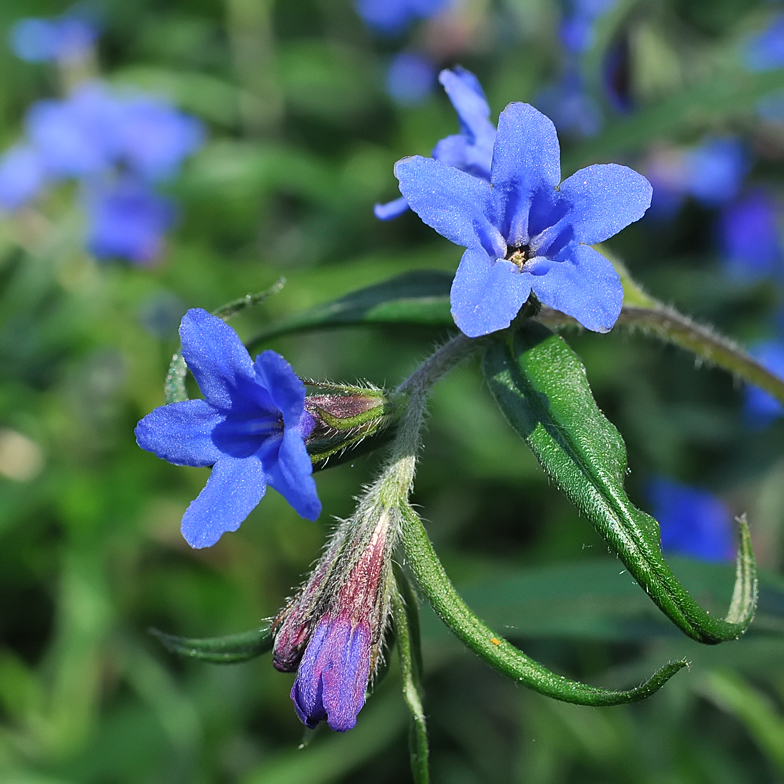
<point>584,285</point>
<point>181,433</point>
<point>285,388</point>
<point>487,293</point>
<point>345,682</point>
<point>216,357</point>
<point>450,201</point>
<point>233,490</point>
<point>604,199</point>
<point>526,161</point>
<point>391,210</point>
<point>468,98</point>
<point>290,473</point>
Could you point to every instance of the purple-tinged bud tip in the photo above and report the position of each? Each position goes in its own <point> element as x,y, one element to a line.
<point>333,675</point>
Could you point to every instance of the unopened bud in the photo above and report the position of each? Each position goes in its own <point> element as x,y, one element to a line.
<point>346,417</point>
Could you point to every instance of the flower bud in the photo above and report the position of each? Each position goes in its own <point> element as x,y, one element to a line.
<point>344,417</point>
<point>338,618</point>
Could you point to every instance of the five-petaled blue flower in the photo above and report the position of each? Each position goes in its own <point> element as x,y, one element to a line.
<point>251,428</point>
<point>523,231</point>
<point>471,150</point>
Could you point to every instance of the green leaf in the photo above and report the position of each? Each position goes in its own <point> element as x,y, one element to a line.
<point>540,385</point>
<point>498,652</point>
<point>420,297</point>
<point>405,615</point>
<point>231,649</point>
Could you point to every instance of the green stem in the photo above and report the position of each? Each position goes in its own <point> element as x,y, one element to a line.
<point>405,616</point>
<point>669,325</point>
<point>397,478</point>
<point>494,649</point>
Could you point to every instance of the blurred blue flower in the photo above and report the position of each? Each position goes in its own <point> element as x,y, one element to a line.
<point>250,427</point>
<point>62,38</point>
<point>410,78</point>
<point>713,173</point>
<point>22,176</point>
<point>94,129</point>
<point>577,28</point>
<point>569,106</point>
<point>692,522</point>
<point>116,145</point>
<point>749,236</point>
<point>77,136</point>
<point>765,51</point>
<point>760,407</point>
<point>126,219</point>
<point>470,150</point>
<point>155,138</point>
<point>525,231</point>
<point>392,17</point>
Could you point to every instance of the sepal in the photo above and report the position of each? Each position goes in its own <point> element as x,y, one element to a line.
<point>347,419</point>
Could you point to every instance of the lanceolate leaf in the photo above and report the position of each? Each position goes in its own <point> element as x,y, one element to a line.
<point>496,650</point>
<point>231,649</point>
<point>420,297</point>
<point>541,387</point>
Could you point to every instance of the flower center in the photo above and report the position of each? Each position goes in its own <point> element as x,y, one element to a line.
<point>518,256</point>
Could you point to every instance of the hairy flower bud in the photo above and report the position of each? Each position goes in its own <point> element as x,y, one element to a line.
<point>344,418</point>
<point>338,620</point>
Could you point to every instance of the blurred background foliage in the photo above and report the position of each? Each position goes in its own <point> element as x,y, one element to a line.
<point>301,140</point>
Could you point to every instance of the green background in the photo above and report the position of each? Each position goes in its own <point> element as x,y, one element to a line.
<point>301,144</point>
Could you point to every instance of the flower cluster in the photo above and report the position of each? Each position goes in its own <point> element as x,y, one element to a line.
<point>332,632</point>
<point>525,231</point>
<point>251,428</point>
<point>118,147</point>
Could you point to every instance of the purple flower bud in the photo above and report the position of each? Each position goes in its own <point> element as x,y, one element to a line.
<point>345,416</point>
<point>340,616</point>
<point>333,675</point>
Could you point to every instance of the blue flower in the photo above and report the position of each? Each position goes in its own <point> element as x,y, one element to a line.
<point>392,17</point>
<point>760,407</point>
<point>692,522</point>
<point>410,78</point>
<point>765,51</point>
<point>22,176</point>
<point>712,173</point>
<point>525,231</point>
<point>333,674</point>
<point>155,138</point>
<point>127,220</point>
<point>577,28</point>
<point>78,136</point>
<point>471,150</point>
<point>250,427</point>
<point>569,106</point>
<point>63,38</point>
<point>115,145</point>
<point>749,237</point>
